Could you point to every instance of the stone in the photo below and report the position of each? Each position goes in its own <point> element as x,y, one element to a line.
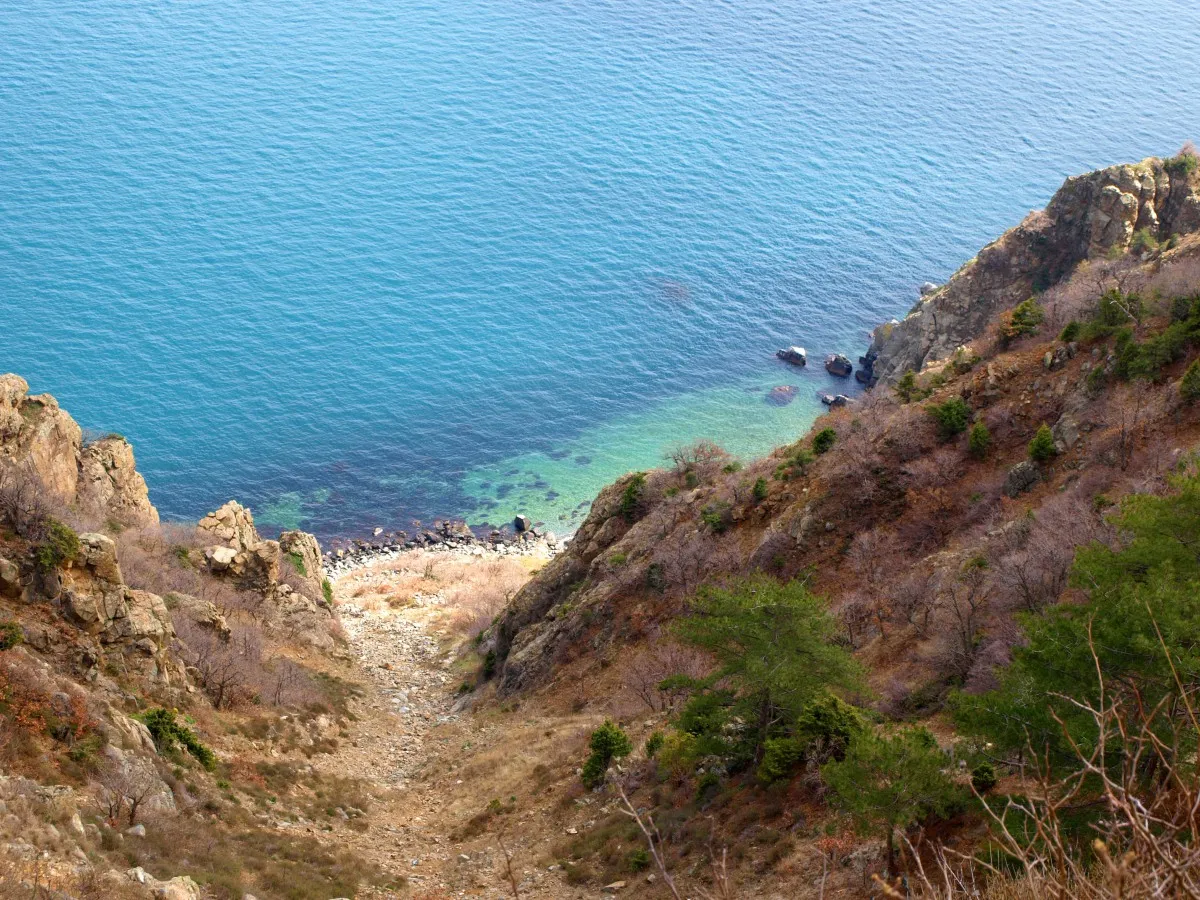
<point>138,830</point>
<point>202,612</point>
<point>522,523</point>
<point>92,590</point>
<point>614,887</point>
<point>796,356</point>
<point>10,579</point>
<point>220,558</point>
<point>109,482</point>
<point>781,395</point>
<point>838,365</point>
<point>928,288</point>
<point>231,525</point>
<point>146,618</point>
<point>1021,477</point>
<point>181,887</point>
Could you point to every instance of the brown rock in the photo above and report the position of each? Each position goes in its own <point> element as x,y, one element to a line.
<point>109,481</point>
<point>231,525</point>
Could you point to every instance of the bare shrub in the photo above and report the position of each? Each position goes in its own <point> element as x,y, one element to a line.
<point>645,672</point>
<point>914,599</point>
<point>1078,297</point>
<point>124,786</point>
<point>964,598</point>
<point>688,556</point>
<point>24,502</point>
<point>703,459</point>
<point>225,669</point>
<point>875,557</point>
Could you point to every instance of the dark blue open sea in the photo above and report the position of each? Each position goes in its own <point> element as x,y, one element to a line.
<point>359,262</point>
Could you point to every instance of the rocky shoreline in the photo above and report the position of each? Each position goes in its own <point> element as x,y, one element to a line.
<point>520,539</point>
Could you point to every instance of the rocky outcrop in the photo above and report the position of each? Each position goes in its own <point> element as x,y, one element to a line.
<point>93,595</point>
<point>232,526</point>
<point>203,612</point>
<point>529,634</point>
<point>288,573</point>
<point>1090,217</point>
<point>303,554</point>
<point>240,554</point>
<point>34,431</point>
<point>109,482</point>
<point>100,478</point>
<point>1021,478</point>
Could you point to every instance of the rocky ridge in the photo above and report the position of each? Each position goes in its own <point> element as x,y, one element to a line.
<point>100,476</point>
<point>1091,217</point>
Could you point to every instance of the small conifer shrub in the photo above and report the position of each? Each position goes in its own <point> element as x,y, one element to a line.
<point>979,441</point>
<point>1041,448</point>
<point>608,742</point>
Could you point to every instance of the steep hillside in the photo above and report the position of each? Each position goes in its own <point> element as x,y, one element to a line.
<point>890,494</point>
<point>788,677</point>
<point>940,520</point>
<point>151,677</point>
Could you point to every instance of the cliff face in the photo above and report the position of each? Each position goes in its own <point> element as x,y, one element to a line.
<point>100,478</point>
<point>1091,217</point>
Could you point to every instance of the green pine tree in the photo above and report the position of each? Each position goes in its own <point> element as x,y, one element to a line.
<point>979,441</point>
<point>775,652</point>
<point>608,742</point>
<point>1041,448</point>
<point>1189,386</point>
<point>888,781</point>
<point>1146,588</point>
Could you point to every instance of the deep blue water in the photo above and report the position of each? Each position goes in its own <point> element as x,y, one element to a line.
<point>360,262</point>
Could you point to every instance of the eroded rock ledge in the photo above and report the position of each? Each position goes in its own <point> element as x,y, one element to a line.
<point>1090,217</point>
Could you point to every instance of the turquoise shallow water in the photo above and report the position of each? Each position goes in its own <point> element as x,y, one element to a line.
<point>357,263</point>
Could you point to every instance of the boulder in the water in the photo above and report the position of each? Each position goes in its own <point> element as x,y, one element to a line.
<point>833,401</point>
<point>794,355</point>
<point>839,365</point>
<point>782,395</point>
<point>522,524</point>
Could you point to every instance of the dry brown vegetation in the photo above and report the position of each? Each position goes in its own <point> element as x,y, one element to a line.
<point>925,558</point>
<point>468,591</point>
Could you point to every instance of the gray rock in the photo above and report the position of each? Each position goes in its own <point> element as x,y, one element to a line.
<point>1066,433</point>
<point>10,578</point>
<point>928,288</point>
<point>839,365</point>
<point>1021,478</point>
<point>522,524</point>
<point>138,830</point>
<point>181,887</point>
<point>797,356</point>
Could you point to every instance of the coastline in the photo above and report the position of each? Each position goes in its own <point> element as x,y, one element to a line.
<point>348,555</point>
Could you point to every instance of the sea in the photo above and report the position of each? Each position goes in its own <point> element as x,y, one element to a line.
<point>371,263</point>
